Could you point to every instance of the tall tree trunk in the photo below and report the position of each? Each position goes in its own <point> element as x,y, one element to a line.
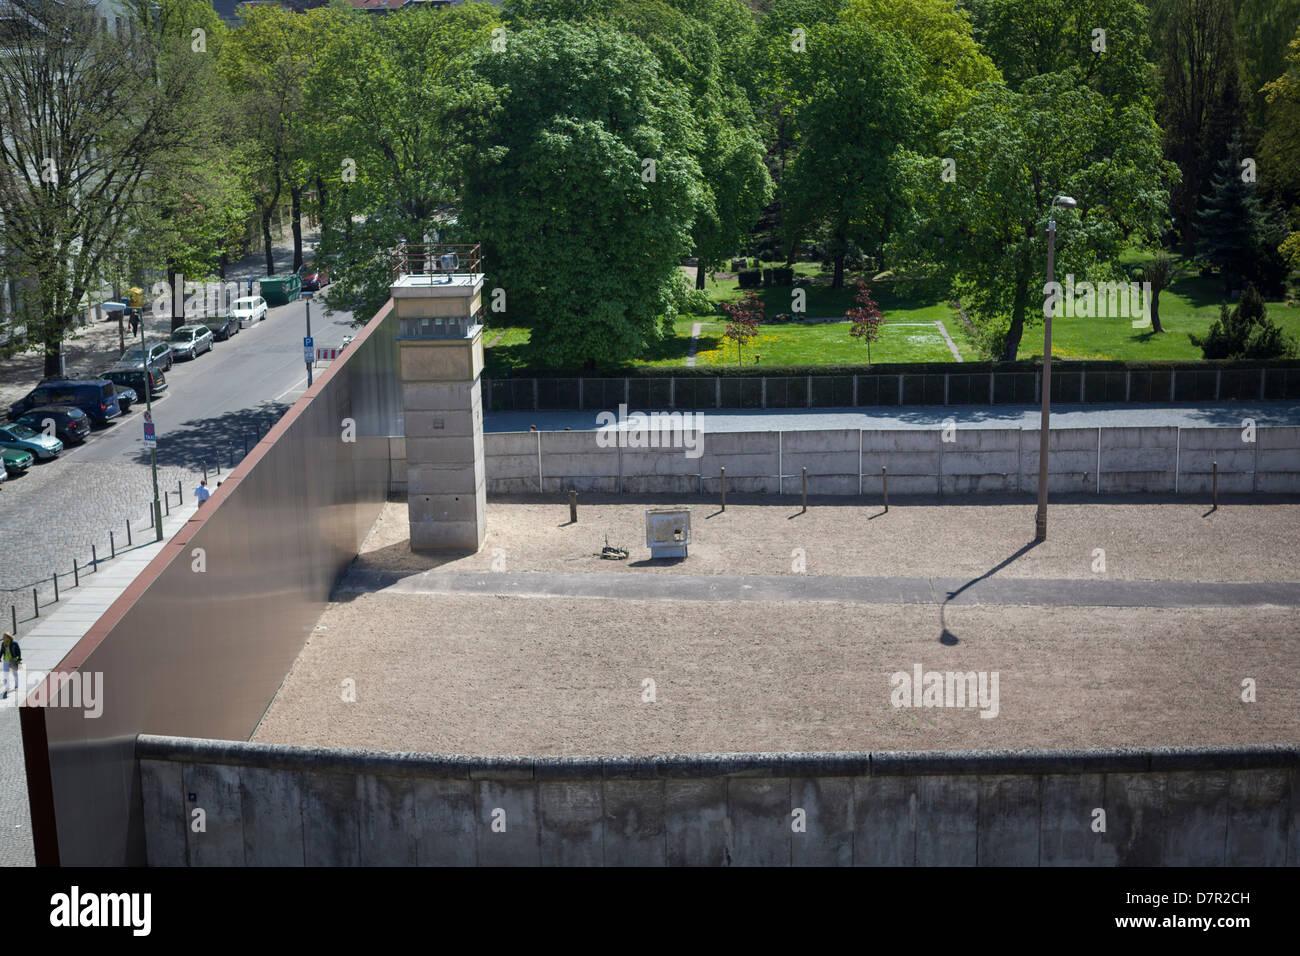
<point>699,270</point>
<point>320,205</point>
<point>1016,331</point>
<point>221,265</point>
<point>837,277</point>
<point>268,216</point>
<point>53,349</point>
<point>1155,310</point>
<point>295,215</point>
<point>175,297</point>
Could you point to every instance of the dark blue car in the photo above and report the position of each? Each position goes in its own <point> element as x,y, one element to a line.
<point>96,397</point>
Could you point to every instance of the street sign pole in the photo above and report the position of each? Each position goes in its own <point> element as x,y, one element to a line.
<point>153,445</point>
<point>307,342</point>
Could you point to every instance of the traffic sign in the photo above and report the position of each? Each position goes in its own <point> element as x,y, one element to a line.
<point>150,436</point>
<point>307,349</point>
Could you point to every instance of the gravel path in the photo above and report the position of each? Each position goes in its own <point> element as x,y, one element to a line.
<point>457,674</point>
<point>766,535</point>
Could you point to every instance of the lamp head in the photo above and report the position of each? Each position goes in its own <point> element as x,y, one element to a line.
<point>1065,202</point>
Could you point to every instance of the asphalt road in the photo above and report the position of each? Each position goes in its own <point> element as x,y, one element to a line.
<point>238,388</point>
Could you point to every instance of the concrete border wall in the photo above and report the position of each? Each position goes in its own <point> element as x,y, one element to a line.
<point>273,540</point>
<point>848,461</point>
<point>274,805</point>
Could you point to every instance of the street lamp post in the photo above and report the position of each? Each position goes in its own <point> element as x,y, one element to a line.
<point>307,357</point>
<point>1040,520</point>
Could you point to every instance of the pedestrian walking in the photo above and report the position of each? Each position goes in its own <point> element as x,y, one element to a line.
<point>135,321</point>
<point>12,655</point>
<point>201,492</point>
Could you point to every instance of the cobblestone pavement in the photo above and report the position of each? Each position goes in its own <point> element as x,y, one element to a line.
<point>15,820</point>
<point>54,513</point>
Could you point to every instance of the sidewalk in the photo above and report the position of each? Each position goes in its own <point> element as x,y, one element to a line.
<point>43,647</point>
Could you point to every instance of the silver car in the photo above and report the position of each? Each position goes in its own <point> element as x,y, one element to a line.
<point>191,341</point>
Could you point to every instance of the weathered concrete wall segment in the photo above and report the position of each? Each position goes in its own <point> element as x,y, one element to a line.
<point>849,461</point>
<point>275,805</point>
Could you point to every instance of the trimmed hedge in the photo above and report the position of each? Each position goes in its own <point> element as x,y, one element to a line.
<point>749,278</point>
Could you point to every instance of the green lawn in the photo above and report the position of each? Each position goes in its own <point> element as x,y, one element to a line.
<point>910,308</point>
<point>1191,304</point>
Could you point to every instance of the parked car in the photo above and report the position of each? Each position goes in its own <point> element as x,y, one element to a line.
<point>222,326</point>
<point>249,310</point>
<point>191,341</point>
<point>26,439</point>
<point>126,396</point>
<point>314,277</point>
<point>16,461</point>
<point>95,397</point>
<point>160,356</point>
<point>71,424</point>
<point>132,377</point>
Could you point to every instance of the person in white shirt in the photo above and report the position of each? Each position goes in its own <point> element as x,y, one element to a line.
<point>201,492</point>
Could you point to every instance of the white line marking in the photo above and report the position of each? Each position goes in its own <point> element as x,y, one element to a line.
<point>301,381</point>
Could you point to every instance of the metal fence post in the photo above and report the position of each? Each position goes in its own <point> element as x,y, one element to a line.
<point>805,488</point>
<point>94,559</point>
<point>723,480</point>
<point>36,608</point>
<point>1216,486</point>
<point>112,546</point>
<point>573,506</point>
<point>76,578</point>
<point>128,532</point>
<point>884,485</point>
<point>13,617</point>
<point>56,587</point>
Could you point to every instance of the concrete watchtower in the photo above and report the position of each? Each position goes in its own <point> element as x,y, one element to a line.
<point>437,295</point>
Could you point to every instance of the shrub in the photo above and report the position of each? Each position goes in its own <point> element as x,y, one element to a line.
<point>782,276</point>
<point>1245,332</point>
<point>749,278</point>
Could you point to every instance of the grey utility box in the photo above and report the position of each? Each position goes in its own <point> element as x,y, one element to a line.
<point>667,532</point>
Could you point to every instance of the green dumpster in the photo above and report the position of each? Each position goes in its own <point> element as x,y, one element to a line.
<point>281,289</point>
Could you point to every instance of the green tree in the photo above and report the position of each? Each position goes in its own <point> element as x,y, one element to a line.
<point>700,44</point>
<point>857,110</point>
<point>1245,332</point>
<point>583,189</point>
<point>866,321</point>
<point>398,95</point>
<point>264,64</point>
<point>1200,104</point>
<point>87,123</point>
<point>743,319</point>
<point>984,231</point>
<point>1237,234</point>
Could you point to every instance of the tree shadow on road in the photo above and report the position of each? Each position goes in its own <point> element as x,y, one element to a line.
<point>221,439</point>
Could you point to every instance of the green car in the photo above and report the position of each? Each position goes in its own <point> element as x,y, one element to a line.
<point>16,460</point>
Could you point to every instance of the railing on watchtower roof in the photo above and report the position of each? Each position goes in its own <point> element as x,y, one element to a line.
<point>440,261</point>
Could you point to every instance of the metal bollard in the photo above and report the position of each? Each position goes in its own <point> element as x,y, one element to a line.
<point>167,503</point>
<point>231,446</point>
<point>884,486</point>
<point>56,587</point>
<point>76,577</point>
<point>573,507</point>
<point>205,471</point>
<point>805,490</point>
<point>1216,487</point>
<point>128,532</point>
<point>724,489</point>
<point>151,517</point>
<point>36,608</point>
<point>112,546</point>
<point>245,444</point>
<point>180,495</point>
<point>13,617</point>
<point>94,559</point>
